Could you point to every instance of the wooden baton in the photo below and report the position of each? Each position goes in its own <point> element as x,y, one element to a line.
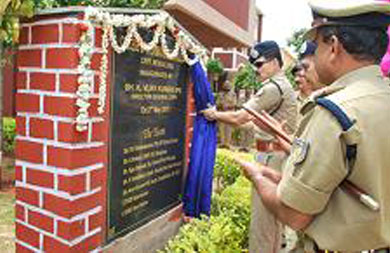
<point>346,185</point>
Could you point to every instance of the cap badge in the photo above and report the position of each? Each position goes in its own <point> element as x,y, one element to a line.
<point>303,48</point>
<point>254,53</point>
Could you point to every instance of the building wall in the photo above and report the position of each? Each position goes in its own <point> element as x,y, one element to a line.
<point>218,23</point>
<point>236,10</point>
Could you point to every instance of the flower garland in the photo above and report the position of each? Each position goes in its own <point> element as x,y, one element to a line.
<point>158,23</point>
<point>86,77</point>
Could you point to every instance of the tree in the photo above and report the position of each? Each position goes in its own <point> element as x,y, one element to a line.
<point>296,40</point>
<point>245,78</point>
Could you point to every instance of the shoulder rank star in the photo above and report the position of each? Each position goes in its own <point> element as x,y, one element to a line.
<point>300,149</point>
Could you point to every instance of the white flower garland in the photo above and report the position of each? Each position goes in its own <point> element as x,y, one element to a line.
<point>103,71</point>
<point>86,77</point>
<point>159,23</point>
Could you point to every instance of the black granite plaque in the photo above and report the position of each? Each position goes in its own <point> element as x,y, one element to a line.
<point>147,139</point>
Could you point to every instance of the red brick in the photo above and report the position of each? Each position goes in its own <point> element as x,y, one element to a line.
<point>96,84</point>
<point>67,133</point>
<point>98,37</point>
<point>42,34</point>
<point>95,221</point>
<point>70,33</point>
<point>20,125</point>
<point>40,221</point>
<point>89,244</point>
<point>93,109</point>
<point>99,131</point>
<point>67,208</point>
<point>40,178</point>
<point>62,58</point>
<point>60,106</point>
<point>42,81</point>
<point>21,80</point>
<point>96,61</point>
<point>19,212</point>
<point>27,102</point>
<point>28,196</point>
<point>68,83</point>
<point>18,173</point>
<point>29,58</point>
<point>52,245</point>
<point>41,128</point>
<point>29,151</point>
<point>71,231</point>
<point>21,249</point>
<point>57,205</point>
<point>23,38</point>
<point>84,204</point>
<point>74,158</point>
<point>27,235</point>
<point>97,178</point>
<point>73,185</point>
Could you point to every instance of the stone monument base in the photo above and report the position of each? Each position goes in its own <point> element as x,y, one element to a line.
<point>150,237</point>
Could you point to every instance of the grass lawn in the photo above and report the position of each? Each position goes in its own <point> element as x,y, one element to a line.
<point>7,222</point>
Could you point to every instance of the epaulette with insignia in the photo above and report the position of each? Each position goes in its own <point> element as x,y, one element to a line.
<point>323,92</point>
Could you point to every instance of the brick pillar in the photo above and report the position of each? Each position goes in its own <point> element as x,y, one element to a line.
<point>60,173</point>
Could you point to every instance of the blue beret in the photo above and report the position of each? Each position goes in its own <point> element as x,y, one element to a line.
<point>263,51</point>
<point>307,48</point>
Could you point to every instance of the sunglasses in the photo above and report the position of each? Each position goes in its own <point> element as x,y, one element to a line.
<point>260,64</point>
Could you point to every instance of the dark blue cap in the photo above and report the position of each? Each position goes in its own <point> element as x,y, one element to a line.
<point>264,50</point>
<point>307,48</point>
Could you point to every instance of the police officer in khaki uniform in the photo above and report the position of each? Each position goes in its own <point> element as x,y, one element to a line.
<point>309,196</point>
<point>278,98</point>
<point>305,73</point>
<point>228,102</point>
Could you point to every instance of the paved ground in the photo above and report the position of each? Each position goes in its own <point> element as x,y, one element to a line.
<point>7,226</point>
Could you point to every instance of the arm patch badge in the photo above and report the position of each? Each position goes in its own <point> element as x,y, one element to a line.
<point>300,149</point>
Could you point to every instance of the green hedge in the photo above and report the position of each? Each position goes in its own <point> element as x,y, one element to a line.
<point>9,134</point>
<point>225,170</point>
<point>226,230</point>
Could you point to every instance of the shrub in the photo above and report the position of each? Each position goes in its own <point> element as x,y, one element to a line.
<point>225,170</point>
<point>214,66</point>
<point>246,78</point>
<point>214,234</point>
<point>235,203</point>
<point>9,133</point>
<point>227,228</point>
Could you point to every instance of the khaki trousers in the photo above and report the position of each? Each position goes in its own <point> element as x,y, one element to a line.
<point>265,231</point>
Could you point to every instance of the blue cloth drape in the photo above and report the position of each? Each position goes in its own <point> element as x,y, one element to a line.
<point>198,187</point>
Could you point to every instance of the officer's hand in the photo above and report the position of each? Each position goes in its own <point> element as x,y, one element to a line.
<point>250,170</point>
<point>210,113</point>
<point>284,145</point>
<point>271,174</point>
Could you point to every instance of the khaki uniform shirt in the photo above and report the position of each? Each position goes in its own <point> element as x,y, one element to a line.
<point>313,172</point>
<point>229,100</point>
<point>268,98</point>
